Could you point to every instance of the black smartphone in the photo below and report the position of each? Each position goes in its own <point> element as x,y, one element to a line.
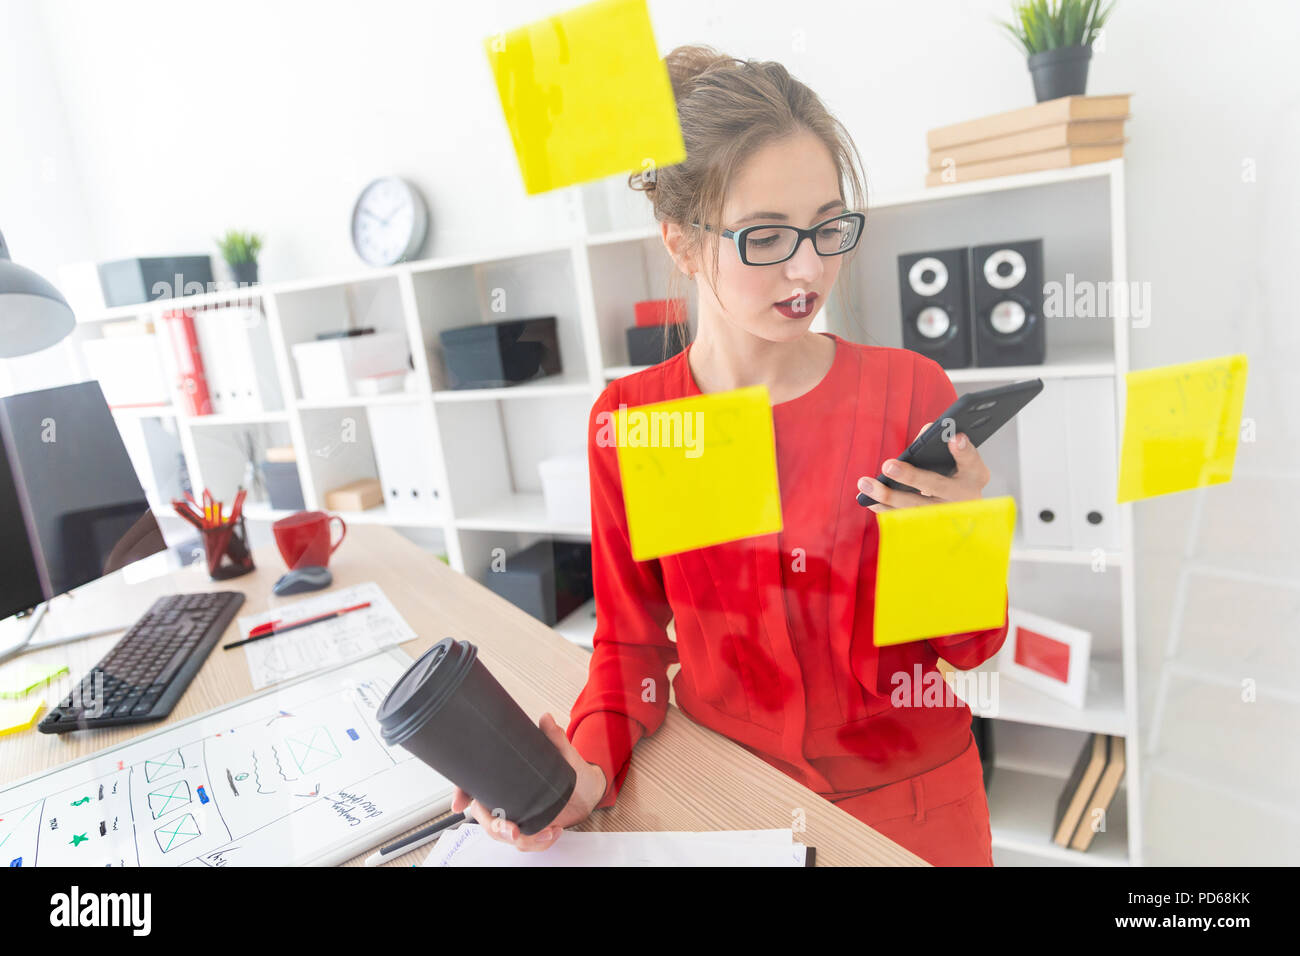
<point>976,414</point>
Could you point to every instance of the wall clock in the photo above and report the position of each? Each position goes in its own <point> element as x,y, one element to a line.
<point>389,221</point>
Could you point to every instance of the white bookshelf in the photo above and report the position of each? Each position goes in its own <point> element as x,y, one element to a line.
<point>1080,215</point>
<point>488,442</point>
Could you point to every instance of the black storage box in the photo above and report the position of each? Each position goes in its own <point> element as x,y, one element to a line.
<point>133,281</point>
<point>282,485</point>
<point>645,343</point>
<point>501,353</point>
<point>550,579</point>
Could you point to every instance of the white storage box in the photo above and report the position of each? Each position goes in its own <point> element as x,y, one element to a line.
<point>329,369</point>
<point>566,488</point>
<point>129,370</point>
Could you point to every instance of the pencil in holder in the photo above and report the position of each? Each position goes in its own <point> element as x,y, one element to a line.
<point>227,550</point>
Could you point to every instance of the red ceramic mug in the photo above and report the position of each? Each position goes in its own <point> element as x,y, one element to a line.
<point>304,539</point>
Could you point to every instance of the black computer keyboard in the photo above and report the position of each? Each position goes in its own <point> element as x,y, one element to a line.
<point>145,673</point>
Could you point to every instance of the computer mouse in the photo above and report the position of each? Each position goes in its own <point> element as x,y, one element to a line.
<point>311,578</point>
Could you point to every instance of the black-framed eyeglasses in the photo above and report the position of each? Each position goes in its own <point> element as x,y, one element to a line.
<point>766,245</point>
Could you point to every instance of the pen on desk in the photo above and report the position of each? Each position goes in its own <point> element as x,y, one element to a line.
<point>269,629</point>
<point>417,839</point>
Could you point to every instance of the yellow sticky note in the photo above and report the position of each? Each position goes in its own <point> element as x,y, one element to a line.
<point>586,95</point>
<point>1181,424</point>
<point>942,569</point>
<point>697,471</point>
<point>19,715</point>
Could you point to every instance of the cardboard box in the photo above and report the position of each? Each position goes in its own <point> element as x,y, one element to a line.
<point>357,495</point>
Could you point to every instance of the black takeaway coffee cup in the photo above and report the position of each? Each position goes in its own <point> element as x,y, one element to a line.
<point>449,711</point>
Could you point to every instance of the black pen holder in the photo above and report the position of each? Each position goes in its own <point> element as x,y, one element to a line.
<point>227,550</point>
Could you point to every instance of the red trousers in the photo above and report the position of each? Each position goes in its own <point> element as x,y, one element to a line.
<point>941,815</point>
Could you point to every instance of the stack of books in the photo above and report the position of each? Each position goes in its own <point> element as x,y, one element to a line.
<point>1089,791</point>
<point>1069,131</point>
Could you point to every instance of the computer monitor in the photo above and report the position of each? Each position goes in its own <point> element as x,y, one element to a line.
<point>71,506</point>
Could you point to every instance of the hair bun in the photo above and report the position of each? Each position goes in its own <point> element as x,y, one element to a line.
<point>640,182</point>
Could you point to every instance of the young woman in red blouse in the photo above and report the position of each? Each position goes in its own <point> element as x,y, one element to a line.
<point>773,633</point>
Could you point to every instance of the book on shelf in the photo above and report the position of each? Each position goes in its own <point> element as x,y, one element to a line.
<point>1079,788</point>
<point>192,383</point>
<point>1102,797</point>
<point>1056,136</point>
<point>1065,109</point>
<point>1028,163</point>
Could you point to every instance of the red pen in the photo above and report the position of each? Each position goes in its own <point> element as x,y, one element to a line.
<point>270,628</point>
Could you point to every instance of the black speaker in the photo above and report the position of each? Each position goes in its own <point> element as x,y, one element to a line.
<point>935,299</point>
<point>1007,303</point>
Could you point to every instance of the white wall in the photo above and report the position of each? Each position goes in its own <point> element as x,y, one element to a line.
<point>43,214</point>
<point>181,120</point>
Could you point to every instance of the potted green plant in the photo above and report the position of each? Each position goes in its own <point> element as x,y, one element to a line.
<point>240,250</point>
<point>1057,38</point>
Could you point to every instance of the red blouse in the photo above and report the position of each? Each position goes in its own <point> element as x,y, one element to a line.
<point>773,632</point>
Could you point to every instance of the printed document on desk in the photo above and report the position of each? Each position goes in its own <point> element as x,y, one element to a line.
<point>331,642</point>
<point>469,845</point>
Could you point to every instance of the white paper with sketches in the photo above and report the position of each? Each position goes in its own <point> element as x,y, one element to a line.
<point>331,642</point>
<point>469,845</point>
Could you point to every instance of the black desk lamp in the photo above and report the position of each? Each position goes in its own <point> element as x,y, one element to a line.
<point>33,315</point>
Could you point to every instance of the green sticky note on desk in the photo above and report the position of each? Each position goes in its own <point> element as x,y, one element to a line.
<point>21,679</point>
<point>697,471</point>
<point>586,95</point>
<point>1181,424</point>
<point>942,569</point>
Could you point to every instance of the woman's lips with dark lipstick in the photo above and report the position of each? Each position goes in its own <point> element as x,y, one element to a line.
<point>810,299</point>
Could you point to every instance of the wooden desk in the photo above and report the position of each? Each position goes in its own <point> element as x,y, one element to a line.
<point>684,777</point>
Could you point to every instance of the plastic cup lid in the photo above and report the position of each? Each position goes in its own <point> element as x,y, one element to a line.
<point>425,687</point>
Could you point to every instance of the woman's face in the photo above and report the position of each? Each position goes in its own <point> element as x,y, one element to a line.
<point>789,182</point>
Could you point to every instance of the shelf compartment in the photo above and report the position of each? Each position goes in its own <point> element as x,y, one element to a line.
<point>1022,809</point>
<point>219,451</point>
<point>492,451</point>
<point>1070,214</point>
<point>509,287</point>
<point>340,445</point>
<point>622,274</point>
<point>306,312</point>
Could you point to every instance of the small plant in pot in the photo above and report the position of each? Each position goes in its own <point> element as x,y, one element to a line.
<point>1057,38</point>
<point>240,250</point>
